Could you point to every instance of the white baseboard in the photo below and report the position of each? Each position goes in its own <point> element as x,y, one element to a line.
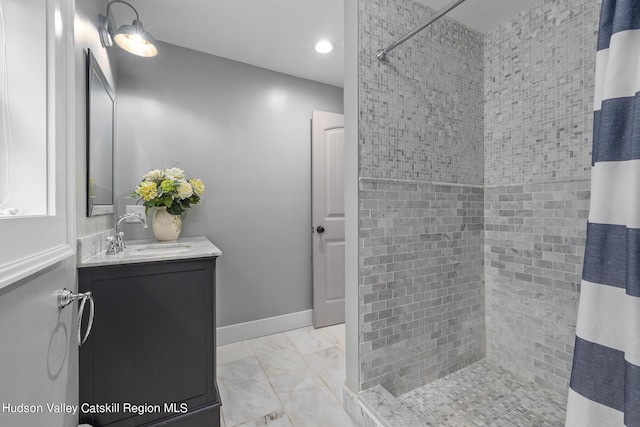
<point>259,328</point>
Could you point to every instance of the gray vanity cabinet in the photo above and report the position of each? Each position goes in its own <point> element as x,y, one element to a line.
<point>151,357</point>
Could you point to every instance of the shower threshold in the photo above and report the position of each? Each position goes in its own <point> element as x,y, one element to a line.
<point>481,394</point>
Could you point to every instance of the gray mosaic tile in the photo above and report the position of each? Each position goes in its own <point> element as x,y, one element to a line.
<point>421,112</point>
<point>539,74</point>
<point>483,394</point>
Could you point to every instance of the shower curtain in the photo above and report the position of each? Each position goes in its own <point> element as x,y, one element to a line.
<point>605,378</point>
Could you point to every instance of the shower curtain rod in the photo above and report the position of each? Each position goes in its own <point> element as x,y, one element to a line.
<point>381,54</point>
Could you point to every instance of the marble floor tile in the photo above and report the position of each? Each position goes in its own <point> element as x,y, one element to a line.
<point>235,351</point>
<point>242,403</point>
<point>329,364</point>
<point>291,379</point>
<point>316,407</point>
<point>336,333</point>
<point>278,362</point>
<point>280,381</point>
<point>247,370</point>
<point>308,340</point>
<point>303,379</point>
<point>274,419</point>
<point>271,343</point>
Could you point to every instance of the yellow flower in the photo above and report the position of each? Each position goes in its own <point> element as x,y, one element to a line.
<point>169,187</point>
<point>184,190</point>
<point>197,185</point>
<point>148,190</point>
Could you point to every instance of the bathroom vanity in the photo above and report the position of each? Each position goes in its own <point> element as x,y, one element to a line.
<point>151,356</point>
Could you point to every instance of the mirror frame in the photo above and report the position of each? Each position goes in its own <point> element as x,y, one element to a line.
<point>95,72</point>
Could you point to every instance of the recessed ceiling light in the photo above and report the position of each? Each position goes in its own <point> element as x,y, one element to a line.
<point>324,46</point>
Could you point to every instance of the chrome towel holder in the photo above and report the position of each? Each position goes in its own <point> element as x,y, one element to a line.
<point>66,297</point>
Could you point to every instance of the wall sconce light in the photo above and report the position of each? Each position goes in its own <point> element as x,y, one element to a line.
<point>132,38</point>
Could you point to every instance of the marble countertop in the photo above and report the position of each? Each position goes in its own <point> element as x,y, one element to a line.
<point>138,251</point>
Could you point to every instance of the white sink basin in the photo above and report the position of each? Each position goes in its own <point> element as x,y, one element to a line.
<point>140,251</point>
<point>159,248</point>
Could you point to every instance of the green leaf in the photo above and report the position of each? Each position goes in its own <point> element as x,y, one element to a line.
<point>175,209</point>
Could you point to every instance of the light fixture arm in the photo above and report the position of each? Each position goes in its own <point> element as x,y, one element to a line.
<point>121,1</point>
<point>105,23</point>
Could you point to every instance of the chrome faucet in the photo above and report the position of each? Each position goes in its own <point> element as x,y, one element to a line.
<point>115,243</point>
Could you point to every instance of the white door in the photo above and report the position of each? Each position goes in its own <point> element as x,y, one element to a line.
<point>327,188</point>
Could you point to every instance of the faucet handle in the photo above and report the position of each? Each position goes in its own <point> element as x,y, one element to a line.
<point>120,246</point>
<point>111,246</point>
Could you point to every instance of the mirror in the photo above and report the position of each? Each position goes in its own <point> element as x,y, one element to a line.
<point>100,123</point>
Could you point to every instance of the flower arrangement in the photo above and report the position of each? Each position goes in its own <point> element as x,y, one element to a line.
<point>170,188</point>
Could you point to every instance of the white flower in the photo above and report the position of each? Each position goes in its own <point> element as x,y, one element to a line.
<point>184,190</point>
<point>174,173</point>
<point>153,175</point>
<point>170,188</point>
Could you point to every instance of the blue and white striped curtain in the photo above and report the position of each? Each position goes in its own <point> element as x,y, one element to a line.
<point>605,379</point>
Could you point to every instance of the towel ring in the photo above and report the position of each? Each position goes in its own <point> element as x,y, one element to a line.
<point>66,297</point>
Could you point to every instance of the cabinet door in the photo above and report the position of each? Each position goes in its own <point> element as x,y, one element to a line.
<point>152,341</point>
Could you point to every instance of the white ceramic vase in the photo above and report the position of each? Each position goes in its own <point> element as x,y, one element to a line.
<point>165,225</point>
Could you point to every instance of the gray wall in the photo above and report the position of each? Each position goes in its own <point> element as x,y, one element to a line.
<point>421,273</point>
<point>539,76</point>
<point>245,131</point>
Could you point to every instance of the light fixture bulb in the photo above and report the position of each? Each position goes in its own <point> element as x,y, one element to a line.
<point>134,39</point>
<point>135,44</point>
<point>324,46</point>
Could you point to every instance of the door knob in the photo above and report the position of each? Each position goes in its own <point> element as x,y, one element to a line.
<point>320,229</point>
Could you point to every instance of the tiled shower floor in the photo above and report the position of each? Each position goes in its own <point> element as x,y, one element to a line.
<point>485,395</point>
<point>478,395</point>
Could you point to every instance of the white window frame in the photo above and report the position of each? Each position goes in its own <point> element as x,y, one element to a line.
<point>31,244</point>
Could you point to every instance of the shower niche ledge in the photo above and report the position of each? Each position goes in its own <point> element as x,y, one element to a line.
<point>150,359</point>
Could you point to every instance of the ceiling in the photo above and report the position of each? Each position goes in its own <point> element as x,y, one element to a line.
<point>279,34</point>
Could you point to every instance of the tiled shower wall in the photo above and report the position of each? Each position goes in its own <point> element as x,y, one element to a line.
<point>421,112</point>
<point>422,298</point>
<point>421,198</point>
<point>539,74</point>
